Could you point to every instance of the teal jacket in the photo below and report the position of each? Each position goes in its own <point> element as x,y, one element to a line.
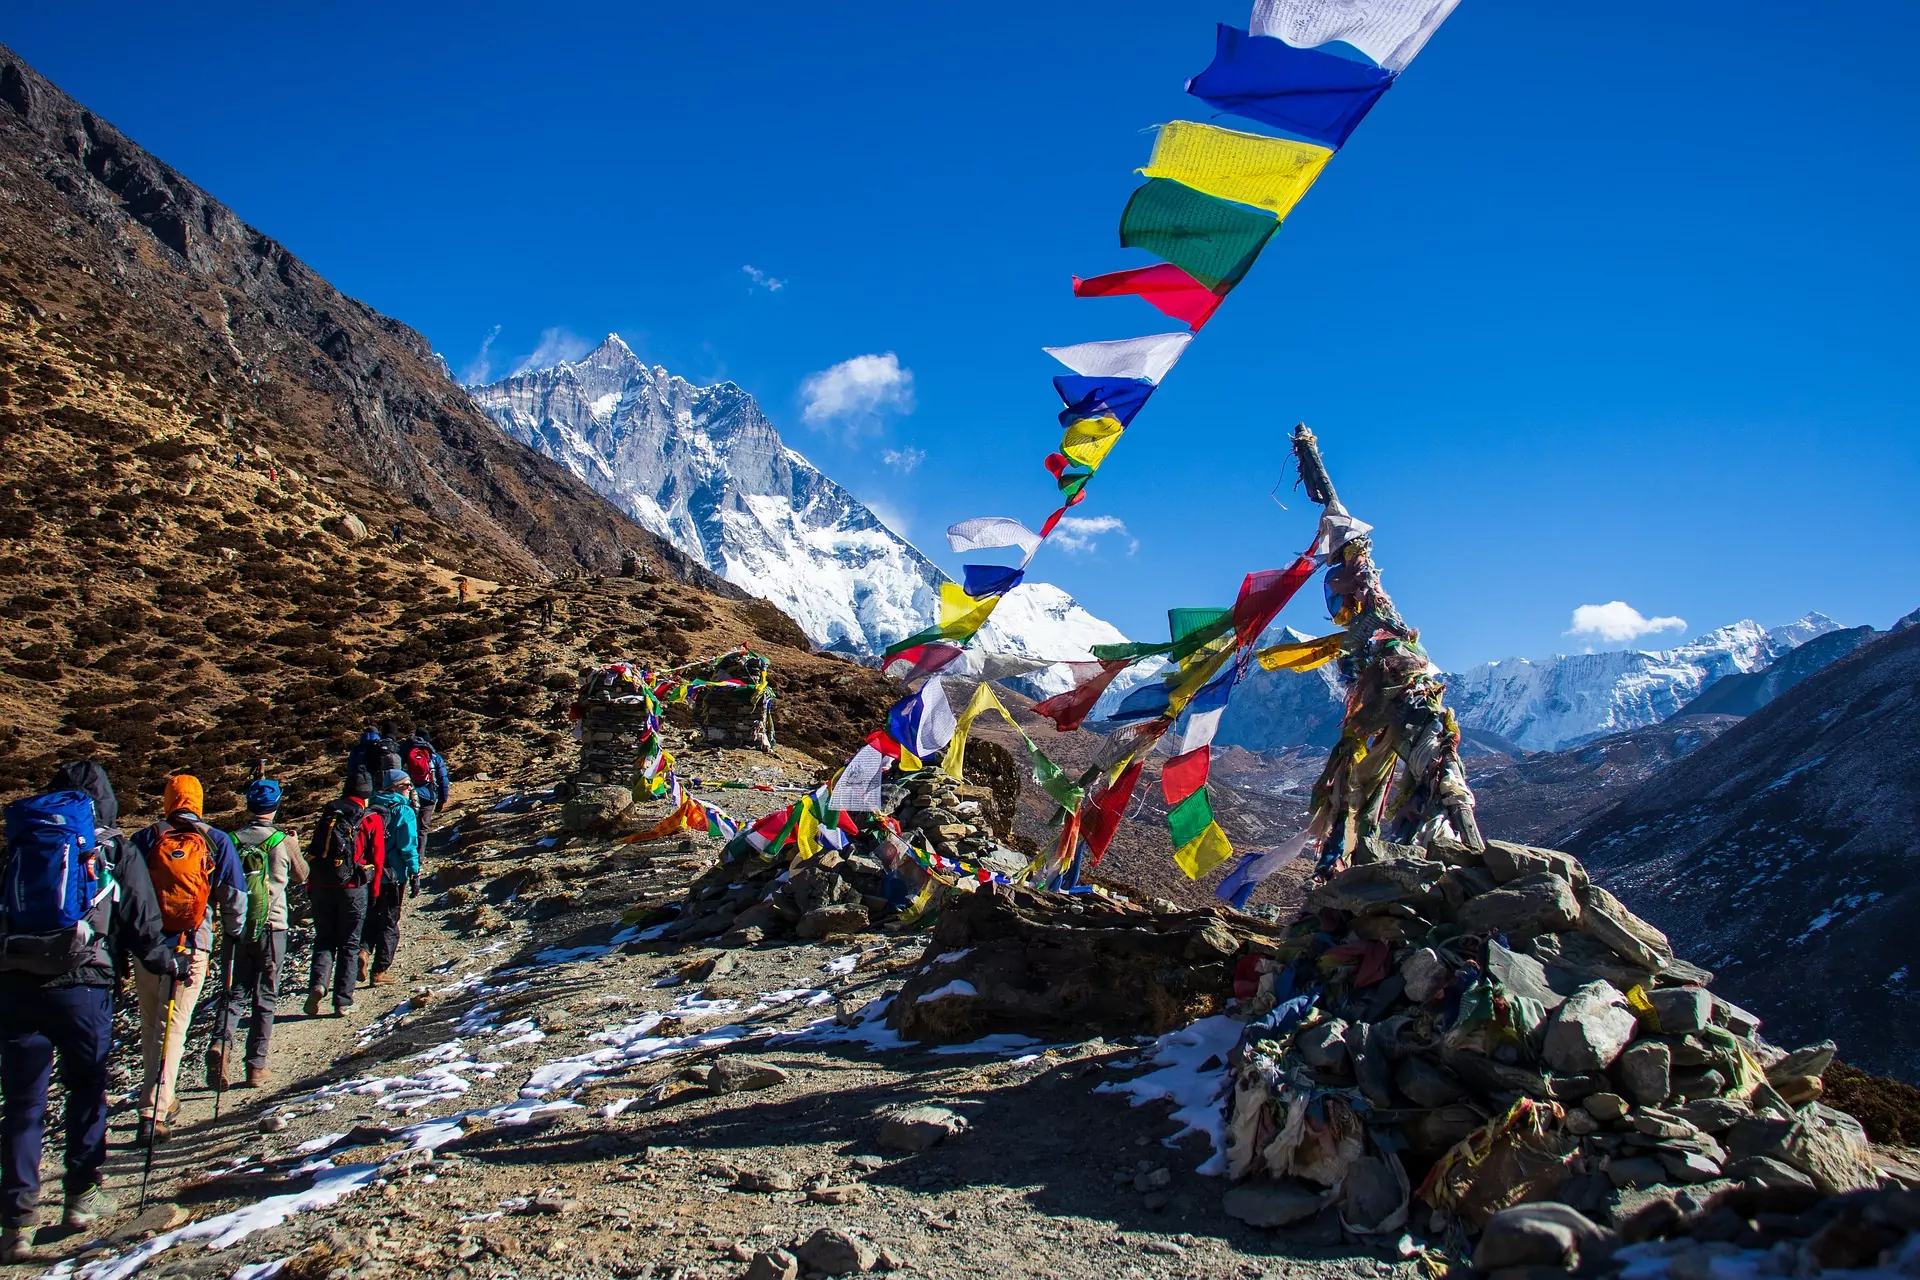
<point>403,835</point>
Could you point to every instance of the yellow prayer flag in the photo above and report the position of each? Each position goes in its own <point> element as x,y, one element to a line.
<point>1204,852</point>
<point>806,832</point>
<point>960,614</point>
<point>953,764</point>
<point>1302,655</point>
<point>1251,168</point>
<point>1088,441</point>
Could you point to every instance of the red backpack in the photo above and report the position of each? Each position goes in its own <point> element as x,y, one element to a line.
<point>419,764</point>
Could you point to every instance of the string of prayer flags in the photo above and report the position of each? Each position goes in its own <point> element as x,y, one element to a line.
<point>1316,95</point>
<point>1390,32</point>
<point>960,617</point>
<point>1088,441</point>
<point>983,580</point>
<point>1100,818</point>
<point>917,660</point>
<point>1169,289</point>
<point>1069,709</point>
<point>1248,168</point>
<point>1051,777</point>
<point>986,532</point>
<point>1302,655</point>
<point>1211,239</point>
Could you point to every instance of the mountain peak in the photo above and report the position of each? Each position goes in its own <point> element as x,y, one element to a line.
<point>611,353</point>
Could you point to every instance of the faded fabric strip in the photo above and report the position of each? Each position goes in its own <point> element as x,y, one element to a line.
<point>1169,289</point>
<point>1316,95</point>
<point>983,532</point>
<point>1068,710</point>
<point>1390,32</point>
<point>1212,240</point>
<point>1248,168</point>
<point>858,789</point>
<point>1147,359</point>
<point>1255,867</point>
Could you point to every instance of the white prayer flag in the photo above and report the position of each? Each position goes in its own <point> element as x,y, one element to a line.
<point>992,531</point>
<point>1201,726</point>
<point>858,790</point>
<point>935,725</point>
<point>1388,31</point>
<point>1147,359</point>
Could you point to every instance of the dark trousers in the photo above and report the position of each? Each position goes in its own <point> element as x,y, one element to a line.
<point>253,994</point>
<point>381,934</point>
<point>425,808</point>
<point>338,917</point>
<point>36,1022</point>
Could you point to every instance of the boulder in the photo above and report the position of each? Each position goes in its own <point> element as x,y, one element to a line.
<point>1522,975</point>
<point>595,809</point>
<point>1509,861</point>
<point>1364,889</point>
<point>1604,1106</point>
<point>743,1075</point>
<point>1539,903</point>
<point>1645,1072</point>
<point>1546,1235</point>
<point>1772,1174</point>
<point>1812,1060</point>
<point>1585,956</point>
<point>826,922</point>
<point>1681,1010</point>
<point>919,1128</point>
<point>1714,1115</point>
<point>1636,1171</point>
<point>1632,938</point>
<point>1424,975</point>
<point>1272,1204</point>
<point>834,1252</point>
<point>1589,1030</point>
<point>772,1264</point>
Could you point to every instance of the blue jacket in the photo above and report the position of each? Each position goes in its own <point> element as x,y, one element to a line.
<point>229,882</point>
<point>439,786</point>
<point>403,835</point>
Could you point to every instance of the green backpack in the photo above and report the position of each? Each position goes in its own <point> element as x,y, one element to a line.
<point>254,859</point>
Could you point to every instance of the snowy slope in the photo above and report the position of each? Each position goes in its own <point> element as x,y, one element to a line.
<point>705,468</point>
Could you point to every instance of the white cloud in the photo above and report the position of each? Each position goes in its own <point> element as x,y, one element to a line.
<point>1082,533</point>
<point>904,460</point>
<point>857,392</point>
<point>763,280</point>
<point>890,516</point>
<point>481,367</point>
<point>557,346</point>
<point>1618,622</point>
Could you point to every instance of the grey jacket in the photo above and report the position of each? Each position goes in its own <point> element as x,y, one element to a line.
<point>285,866</point>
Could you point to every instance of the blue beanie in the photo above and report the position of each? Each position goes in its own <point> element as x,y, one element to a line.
<point>263,796</point>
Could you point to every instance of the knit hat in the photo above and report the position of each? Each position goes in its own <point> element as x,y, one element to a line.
<point>391,778</point>
<point>183,792</point>
<point>360,785</point>
<point>263,796</point>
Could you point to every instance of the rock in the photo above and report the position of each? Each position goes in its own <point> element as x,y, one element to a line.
<point>1508,861</point>
<point>767,1180</point>
<point>1522,975</point>
<point>1689,1085</point>
<point>1659,1124</point>
<point>843,1193</point>
<point>1713,1115</point>
<point>1630,937</point>
<point>1323,1045</point>
<point>274,1122</point>
<point>1813,1060</point>
<point>918,1128</point>
<point>834,1252</point>
<point>826,922</point>
<point>1371,1193</point>
<point>1734,1018</point>
<point>1581,1122</point>
<point>1687,1166</point>
<point>1681,1009</point>
<point>1425,974</point>
<point>1589,1030</point>
<point>1830,1147</point>
<point>1604,1106</point>
<point>152,1221</point>
<point>1644,1072</point>
<point>1362,890</point>
<point>349,526</point>
<point>1548,1235</point>
<point>1426,1085</point>
<point>1636,1171</point>
<point>743,1075</point>
<point>772,1264</point>
<point>1798,1090</point>
<point>1271,1203</point>
<point>1539,903</point>
<point>1769,1173</point>
<point>594,809</point>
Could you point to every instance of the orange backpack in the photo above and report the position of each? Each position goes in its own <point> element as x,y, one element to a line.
<point>181,865</point>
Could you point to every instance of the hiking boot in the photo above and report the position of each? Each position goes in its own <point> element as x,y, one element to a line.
<point>366,958</point>
<point>14,1245</point>
<point>258,1077</point>
<point>152,1131</point>
<point>173,1112</point>
<point>342,1008</point>
<point>313,1004</point>
<point>216,1067</point>
<point>89,1207</point>
<point>381,979</point>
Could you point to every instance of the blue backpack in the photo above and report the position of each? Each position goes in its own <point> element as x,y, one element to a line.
<point>56,887</point>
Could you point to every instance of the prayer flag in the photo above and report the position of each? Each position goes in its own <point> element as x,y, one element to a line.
<point>1263,595</point>
<point>1201,726</point>
<point>1101,818</point>
<point>1172,291</point>
<point>1255,867</point>
<point>1130,649</point>
<point>922,660</point>
<point>1143,703</point>
<point>1249,168</point>
<point>1117,398</point>
<point>858,788</point>
<point>1390,32</point>
<point>1210,239</point>
<point>1302,655</point>
<point>983,580</point>
<point>983,532</point>
<point>923,722</point>
<point>1316,95</point>
<point>1147,359</point>
<point>1204,852</point>
<point>1089,440</point>
<point>1190,817</point>
<point>1184,775</point>
<point>1069,709</point>
<point>1052,778</point>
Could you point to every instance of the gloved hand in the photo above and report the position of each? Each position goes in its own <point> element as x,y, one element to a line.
<point>187,962</point>
<point>413,887</point>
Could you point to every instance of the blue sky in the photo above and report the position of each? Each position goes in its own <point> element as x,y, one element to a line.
<point>1601,302</point>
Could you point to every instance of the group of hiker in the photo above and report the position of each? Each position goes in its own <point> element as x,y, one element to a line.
<point>80,902</point>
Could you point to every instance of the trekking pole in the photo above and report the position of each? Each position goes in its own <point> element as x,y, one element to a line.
<point>226,1004</point>
<point>153,1126</point>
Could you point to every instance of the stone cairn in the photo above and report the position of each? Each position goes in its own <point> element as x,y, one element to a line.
<point>613,727</point>
<point>1472,1030</point>
<point>736,715</point>
<point>953,819</point>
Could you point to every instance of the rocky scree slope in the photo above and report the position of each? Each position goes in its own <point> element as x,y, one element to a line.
<point>1784,852</point>
<point>120,262</point>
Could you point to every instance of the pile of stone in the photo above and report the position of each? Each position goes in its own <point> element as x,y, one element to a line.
<point>736,715</point>
<point>1466,1031</point>
<point>952,819</point>
<point>614,727</point>
<point>749,901</point>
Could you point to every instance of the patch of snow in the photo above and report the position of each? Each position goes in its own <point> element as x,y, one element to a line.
<point>1198,1096</point>
<point>948,957</point>
<point>958,987</point>
<point>871,1030</point>
<point>843,966</point>
<point>314,1145</point>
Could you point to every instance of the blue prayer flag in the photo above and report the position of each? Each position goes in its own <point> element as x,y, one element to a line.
<point>1119,398</point>
<point>1314,95</point>
<point>983,580</point>
<point>1144,703</point>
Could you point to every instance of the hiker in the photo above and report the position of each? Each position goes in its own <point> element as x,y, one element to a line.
<point>545,606</point>
<point>427,770</point>
<point>399,875</point>
<point>271,860</point>
<point>193,868</point>
<point>374,752</point>
<point>461,582</point>
<point>349,851</point>
<point>56,986</point>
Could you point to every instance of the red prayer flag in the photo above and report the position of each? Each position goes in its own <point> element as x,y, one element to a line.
<point>1264,594</point>
<point>1068,709</point>
<point>1100,818</point>
<point>1183,775</point>
<point>1169,289</point>
<point>883,742</point>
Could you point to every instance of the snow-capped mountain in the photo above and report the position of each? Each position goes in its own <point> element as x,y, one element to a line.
<point>705,468</point>
<point>1541,704</point>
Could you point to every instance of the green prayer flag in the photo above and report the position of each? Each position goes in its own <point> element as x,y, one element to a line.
<point>1131,649</point>
<point>1213,240</point>
<point>1186,820</point>
<point>1052,778</point>
<point>1193,629</point>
